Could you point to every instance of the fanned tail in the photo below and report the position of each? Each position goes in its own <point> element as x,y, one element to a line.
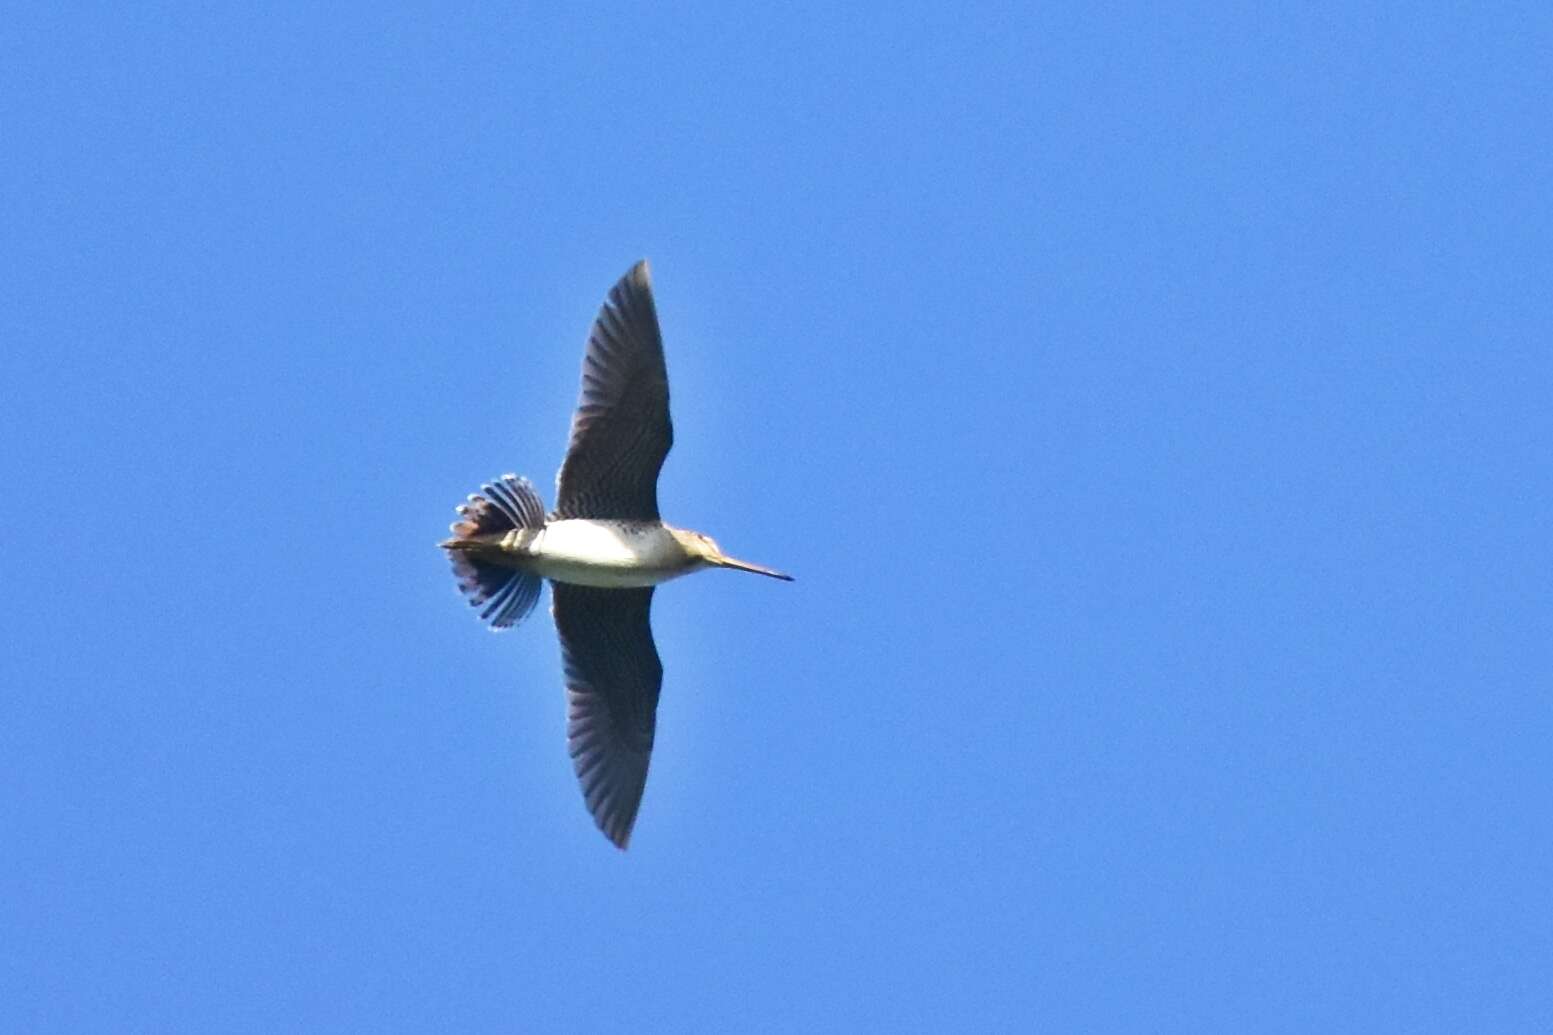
<point>504,593</point>
<point>500,506</point>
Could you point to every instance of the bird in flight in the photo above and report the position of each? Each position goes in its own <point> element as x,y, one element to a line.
<point>603,548</point>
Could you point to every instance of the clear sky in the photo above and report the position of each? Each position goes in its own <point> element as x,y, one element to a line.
<point>1153,406</point>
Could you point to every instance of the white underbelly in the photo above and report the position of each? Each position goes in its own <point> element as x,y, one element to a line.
<point>608,554</point>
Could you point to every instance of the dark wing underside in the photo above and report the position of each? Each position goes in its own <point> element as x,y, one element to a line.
<point>613,676</point>
<point>621,431</point>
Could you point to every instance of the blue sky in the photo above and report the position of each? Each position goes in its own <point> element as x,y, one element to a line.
<point>1153,406</point>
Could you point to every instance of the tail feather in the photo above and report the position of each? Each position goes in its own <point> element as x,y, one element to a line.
<point>507,503</point>
<point>504,594</point>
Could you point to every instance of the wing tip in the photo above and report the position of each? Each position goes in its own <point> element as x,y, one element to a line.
<point>615,814</point>
<point>641,275</point>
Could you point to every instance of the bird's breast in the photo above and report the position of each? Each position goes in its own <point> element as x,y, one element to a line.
<point>608,554</point>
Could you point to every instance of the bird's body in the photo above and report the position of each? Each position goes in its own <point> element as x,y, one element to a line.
<point>603,553</point>
<point>603,549</point>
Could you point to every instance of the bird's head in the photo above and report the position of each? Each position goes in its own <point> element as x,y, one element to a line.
<point>705,549</point>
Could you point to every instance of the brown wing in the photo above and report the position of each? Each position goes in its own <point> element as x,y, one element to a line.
<point>613,676</point>
<point>621,431</point>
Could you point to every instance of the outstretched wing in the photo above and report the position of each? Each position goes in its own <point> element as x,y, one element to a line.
<point>613,676</point>
<point>621,431</point>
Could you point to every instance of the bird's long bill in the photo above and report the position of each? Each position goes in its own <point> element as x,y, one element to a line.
<point>729,562</point>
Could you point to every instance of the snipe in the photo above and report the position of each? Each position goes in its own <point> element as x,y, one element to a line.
<point>603,549</point>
